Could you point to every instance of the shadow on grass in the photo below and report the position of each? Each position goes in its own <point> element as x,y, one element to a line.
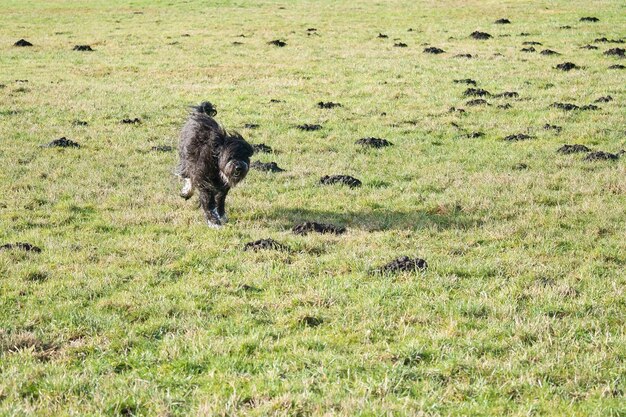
<point>377,220</point>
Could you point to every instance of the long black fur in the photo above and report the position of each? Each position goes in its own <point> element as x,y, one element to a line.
<point>213,159</point>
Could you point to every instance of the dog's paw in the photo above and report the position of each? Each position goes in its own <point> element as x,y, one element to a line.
<point>214,225</point>
<point>224,218</point>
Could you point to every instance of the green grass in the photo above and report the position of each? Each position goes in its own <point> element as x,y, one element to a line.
<point>136,307</point>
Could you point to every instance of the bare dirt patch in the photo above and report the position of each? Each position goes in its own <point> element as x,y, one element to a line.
<point>264,244</point>
<point>480,35</point>
<point>27,247</point>
<point>340,179</point>
<point>308,227</point>
<point>373,142</point>
<point>22,43</point>
<point>266,166</point>
<point>403,264</point>
<point>62,143</point>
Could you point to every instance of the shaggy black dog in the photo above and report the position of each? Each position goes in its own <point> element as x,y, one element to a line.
<point>212,161</point>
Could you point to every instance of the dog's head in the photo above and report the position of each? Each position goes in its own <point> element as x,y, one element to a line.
<point>234,159</point>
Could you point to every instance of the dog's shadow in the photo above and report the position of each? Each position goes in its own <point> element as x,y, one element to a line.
<point>377,220</point>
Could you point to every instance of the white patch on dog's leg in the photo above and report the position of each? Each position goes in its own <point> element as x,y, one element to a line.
<point>215,222</point>
<point>187,190</point>
<point>224,178</point>
<point>214,225</point>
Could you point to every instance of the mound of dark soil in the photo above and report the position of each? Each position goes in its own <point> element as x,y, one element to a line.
<point>601,156</point>
<point>465,81</point>
<point>264,244</point>
<point>531,49</point>
<point>567,66</point>
<point>504,106</point>
<point>308,227</point>
<point>520,167</point>
<point>507,94</point>
<point>565,27</point>
<point>589,107</point>
<point>476,92</point>
<point>237,43</point>
<point>604,99</point>
<point>22,42</point>
<point>276,101</point>
<point>328,105</point>
<point>403,264</point>
<point>266,166</point>
<point>311,30</point>
<point>620,52</point>
<point>480,35</point>
<point>62,143</point>
<point>477,102</point>
<point>162,148</point>
<point>84,48</point>
<point>310,321</point>
<point>606,40</point>
<point>79,123</point>
<point>21,246</point>
<point>518,137</point>
<point>250,126</point>
<point>565,106</point>
<point>569,149</point>
<point>308,128</point>
<point>373,142</point>
<point>524,34</point>
<point>400,45</point>
<point>134,121</point>
<point>589,19</point>
<point>455,110</point>
<point>549,52</point>
<point>382,36</point>
<point>340,179</point>
<point>502,22</point>
<point>552,127</point>
<point>277,42</point>
<point>262,148</point>
<point>617,66</point>
<point>531,43</point>
<point>589,47</point>
<point>468,56</point>
<point>433,50</point>
<point>474,135</point>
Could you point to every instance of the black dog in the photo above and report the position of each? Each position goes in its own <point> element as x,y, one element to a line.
<point>212,161</point>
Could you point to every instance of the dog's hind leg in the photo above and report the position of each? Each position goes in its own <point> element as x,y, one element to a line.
<point>187,190</point>
<point>207,202</point>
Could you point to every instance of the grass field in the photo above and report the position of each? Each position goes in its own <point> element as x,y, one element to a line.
<point>135,307</point>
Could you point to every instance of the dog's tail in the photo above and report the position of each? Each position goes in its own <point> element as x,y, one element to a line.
<point>206,108</point>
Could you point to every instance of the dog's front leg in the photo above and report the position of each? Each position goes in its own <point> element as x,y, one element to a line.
<point>207,202</point>
<point>220,200</point>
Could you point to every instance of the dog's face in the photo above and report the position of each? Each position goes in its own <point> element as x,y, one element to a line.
<point>234,160</point>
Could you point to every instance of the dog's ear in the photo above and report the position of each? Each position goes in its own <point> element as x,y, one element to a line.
<point>244,149</point>
<point>218,140</point>
<point>206,107</point>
